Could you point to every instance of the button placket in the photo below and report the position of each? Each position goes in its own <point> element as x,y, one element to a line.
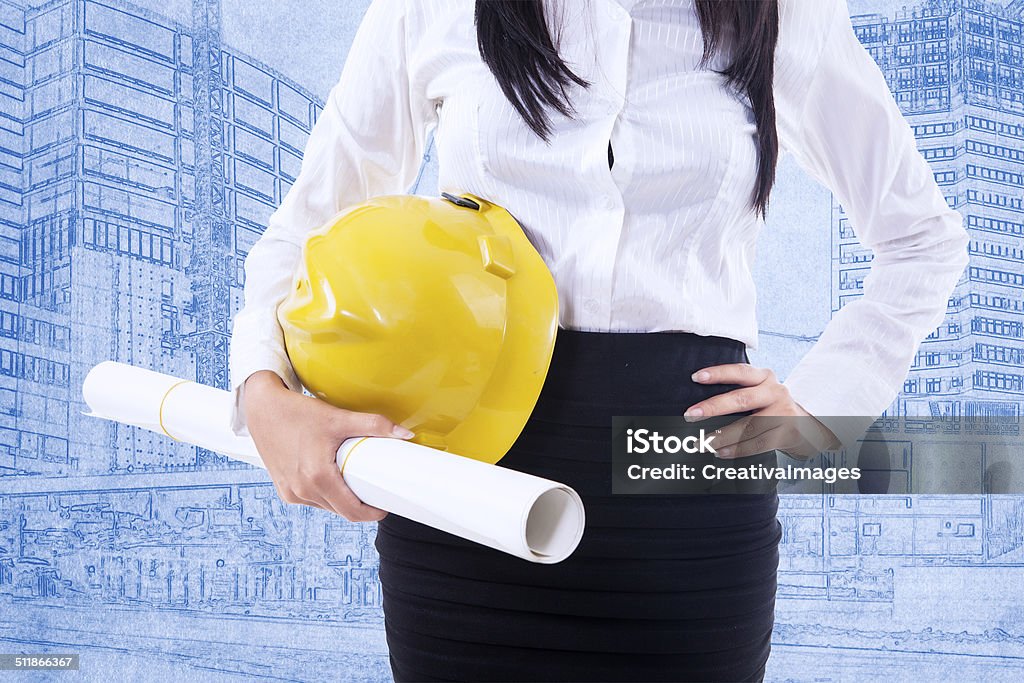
<point>611,203</point>
<point>596,260</point>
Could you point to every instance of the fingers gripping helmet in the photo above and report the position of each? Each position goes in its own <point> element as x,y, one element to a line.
<point>436,312</point>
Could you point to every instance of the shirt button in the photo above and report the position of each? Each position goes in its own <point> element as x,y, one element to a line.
<point>608,202</point>
<point>590,305</point>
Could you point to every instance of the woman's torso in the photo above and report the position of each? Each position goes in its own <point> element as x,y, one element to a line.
<point>662,240</point>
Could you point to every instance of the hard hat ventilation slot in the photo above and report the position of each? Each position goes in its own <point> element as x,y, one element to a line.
<point>461,201</point>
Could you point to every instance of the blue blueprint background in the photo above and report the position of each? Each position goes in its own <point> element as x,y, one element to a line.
<point>142,148</point>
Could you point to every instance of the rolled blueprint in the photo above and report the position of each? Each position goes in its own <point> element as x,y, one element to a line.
<point>533,518</point>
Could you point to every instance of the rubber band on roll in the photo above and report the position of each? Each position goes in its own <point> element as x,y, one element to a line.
<point>160,410</point>
<point>349,454</point>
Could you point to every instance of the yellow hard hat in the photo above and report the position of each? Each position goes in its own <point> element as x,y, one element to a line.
<point>435,312</point>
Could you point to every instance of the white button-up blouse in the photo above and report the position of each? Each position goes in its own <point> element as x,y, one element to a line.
<point>664,238</point>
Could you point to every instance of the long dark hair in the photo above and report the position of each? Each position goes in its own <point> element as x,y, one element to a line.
<point>516,44</point>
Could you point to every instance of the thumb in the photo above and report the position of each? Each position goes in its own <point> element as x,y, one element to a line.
<point>375,424</point>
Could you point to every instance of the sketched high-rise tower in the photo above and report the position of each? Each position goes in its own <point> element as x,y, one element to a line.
<point>956,68</point>
<point>139,161</point>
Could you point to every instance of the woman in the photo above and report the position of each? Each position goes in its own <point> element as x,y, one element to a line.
<point>636,140</point>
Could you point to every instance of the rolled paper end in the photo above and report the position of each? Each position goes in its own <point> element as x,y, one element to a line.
<point>95,389</point>
<point>125,393</point>
<point>554,525</point>
<point>536,519</point>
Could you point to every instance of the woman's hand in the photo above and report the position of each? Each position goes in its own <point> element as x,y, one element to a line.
<point>298,437</point>
<point>780,423</point>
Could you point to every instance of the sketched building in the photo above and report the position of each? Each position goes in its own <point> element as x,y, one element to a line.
<point>139,161</point>
<point>956,68</point>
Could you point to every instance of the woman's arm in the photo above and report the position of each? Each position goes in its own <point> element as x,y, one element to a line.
<point>368,141</point>
<point>849,133</point>
<point>841,123</point>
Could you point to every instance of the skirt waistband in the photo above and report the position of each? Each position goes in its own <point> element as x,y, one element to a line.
<point>595,375</point>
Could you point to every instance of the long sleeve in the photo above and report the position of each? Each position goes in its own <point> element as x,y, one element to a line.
<point>851,136</point>
<point>368,141</point>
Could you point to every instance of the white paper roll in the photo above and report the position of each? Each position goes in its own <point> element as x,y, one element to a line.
<point>181,409</point>
<point>527,516</point>
<point>533,518</point>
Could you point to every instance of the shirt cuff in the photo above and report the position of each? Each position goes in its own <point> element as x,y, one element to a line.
<point>847,401</point>
<point>849,429</point>
<point>243,369</point>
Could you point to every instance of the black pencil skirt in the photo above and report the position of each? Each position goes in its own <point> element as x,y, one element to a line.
<point>661,588</point>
